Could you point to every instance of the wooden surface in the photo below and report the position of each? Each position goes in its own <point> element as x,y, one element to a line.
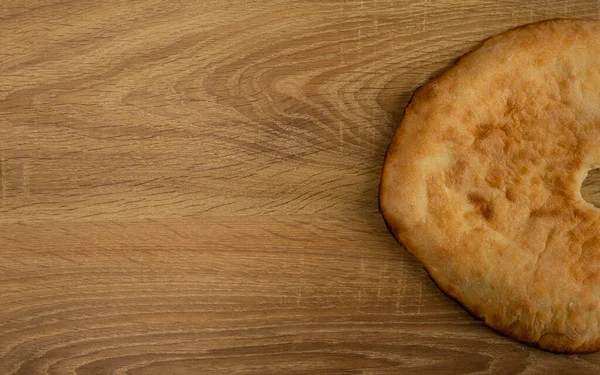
<point>189,187</point>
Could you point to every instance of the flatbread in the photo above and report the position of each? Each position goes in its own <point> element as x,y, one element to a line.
<point>482,179</point>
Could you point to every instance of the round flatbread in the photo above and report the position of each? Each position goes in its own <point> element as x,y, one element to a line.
<point>482,179</point>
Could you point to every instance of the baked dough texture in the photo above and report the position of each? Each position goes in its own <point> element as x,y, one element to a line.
<point>482,179</point>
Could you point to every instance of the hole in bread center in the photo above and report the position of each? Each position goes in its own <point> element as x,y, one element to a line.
<point>590,188</point>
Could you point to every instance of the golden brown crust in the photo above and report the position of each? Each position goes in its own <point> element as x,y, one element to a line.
<point>481,183</point>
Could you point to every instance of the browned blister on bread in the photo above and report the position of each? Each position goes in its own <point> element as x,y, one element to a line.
<point>482,180</point>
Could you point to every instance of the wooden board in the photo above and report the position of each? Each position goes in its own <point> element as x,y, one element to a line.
<point>189,187</point>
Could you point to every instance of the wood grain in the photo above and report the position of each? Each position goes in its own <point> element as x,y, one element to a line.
<point>190,187</point>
